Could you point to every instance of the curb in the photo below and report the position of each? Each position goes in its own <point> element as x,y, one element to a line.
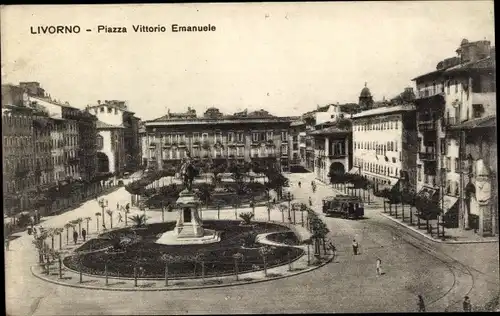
<point>438,240</point>
<point>133,289</point>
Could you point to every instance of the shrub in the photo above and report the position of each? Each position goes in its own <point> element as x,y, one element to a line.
<point>247,217</point>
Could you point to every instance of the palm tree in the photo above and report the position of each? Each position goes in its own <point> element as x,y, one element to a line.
<point>303,208</point>
<point>110,213</point>
<point>282,209</point>
<point>97,215</point>
<point>127,211</point>
<point>59,231</point>
<point>67,226</point>
<point>237,256</point>
<point>88,219</point>
<point>270,206</point>
<point>169,259</point>
<point>79,221</point>
<point>139,220</point>
<point>264,252</point>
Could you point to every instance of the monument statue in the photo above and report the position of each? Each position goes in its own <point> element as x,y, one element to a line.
<point>188,172</point>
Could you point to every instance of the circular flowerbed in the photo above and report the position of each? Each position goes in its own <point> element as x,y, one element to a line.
<point>288,238</point>
<point>124,249</point>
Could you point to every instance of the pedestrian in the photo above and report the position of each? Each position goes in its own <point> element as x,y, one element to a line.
<point>310,202</point>
<point>75,236</point>
<point>274,200</point>
<point>355,246</point>
<point>300,184</point>
<point>467,305</point>
<point>84,234</point>
<point>7,242</point>
<point>421,304</point>
<point>333,249</point>
<point>120,218</point>
<point>379,267</point>
<point>117,206</point>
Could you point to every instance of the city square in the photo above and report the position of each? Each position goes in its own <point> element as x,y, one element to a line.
<point>268,197</point>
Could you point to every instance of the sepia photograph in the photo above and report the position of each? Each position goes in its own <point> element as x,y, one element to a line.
<point>250,158</point>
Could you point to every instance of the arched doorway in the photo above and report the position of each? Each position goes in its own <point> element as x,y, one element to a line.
<point>337,168</point>
<point>102,162</point>
<point>471,206</point>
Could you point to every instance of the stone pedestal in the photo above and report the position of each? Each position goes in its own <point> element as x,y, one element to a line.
<point>189,227</point>
<point>189,224</point>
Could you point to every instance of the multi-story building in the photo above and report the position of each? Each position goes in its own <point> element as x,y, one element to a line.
<point>332,152</point>
<point>18,158</point>
<point>256,136</point>
<point>383,146</point>
<point>118,141</point>
<point>459,98</point>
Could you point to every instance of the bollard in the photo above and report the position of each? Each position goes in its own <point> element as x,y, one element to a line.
<point>106,274</point>
<point>81,275</point>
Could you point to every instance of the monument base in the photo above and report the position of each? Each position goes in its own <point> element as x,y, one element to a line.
<point>173,238</point>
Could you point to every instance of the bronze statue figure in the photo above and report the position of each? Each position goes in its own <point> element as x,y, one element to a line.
<point>188,172</point>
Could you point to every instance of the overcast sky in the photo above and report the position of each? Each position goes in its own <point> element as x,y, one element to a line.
<point>286,58</point>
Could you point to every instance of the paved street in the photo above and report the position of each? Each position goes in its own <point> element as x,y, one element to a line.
<point>442,273</point>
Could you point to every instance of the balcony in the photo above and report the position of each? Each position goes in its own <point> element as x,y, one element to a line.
<point>428,153</point>
<point>337,155</point>
<point>426,126</point>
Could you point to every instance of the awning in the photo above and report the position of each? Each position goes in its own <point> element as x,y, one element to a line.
<point>354,170</point>
<point>448,202</point>
<point>389,186</point>
<point>427,193</point>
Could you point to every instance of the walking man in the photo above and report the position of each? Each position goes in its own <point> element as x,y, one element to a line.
<point>355,246</point>
<point>333,249</point>
<point>84,234</point>
<point>421,304</point>
<point>120,218</point>
<point>117,206</point>
<point>300,184</point>
<point>310,202</point>
<point>467,305</point>
<point>7,241</point>
<point>379,267</point>
<point>75,236</point>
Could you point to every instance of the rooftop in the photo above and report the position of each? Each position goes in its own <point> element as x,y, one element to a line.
<point>102,125</point>
<point>484,122</point>
<point>385,110</point>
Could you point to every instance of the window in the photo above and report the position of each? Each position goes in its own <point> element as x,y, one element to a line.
<point>456,86</point>
<point>102,109</point>
<point>269,136</point>
<point>204,137</point>
<point>284,136</point>
<point>284,149</point>
<point>396,146</point>
<point>419,173</point>
<point>397,123</point>
<point>448,87</point>
<point>443,147</point>
<point>230,137</point>
<point>110,109</point>
<point>477,110</point>
<point>448,186</point>
<point>448,164</point>
<point>218,137</point>
<point>116,111</point>
<point>196,137</point>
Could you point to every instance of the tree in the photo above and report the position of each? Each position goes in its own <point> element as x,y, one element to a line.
<point>68,226</point>
<point>169,259</point>
<point>110,213</point>
<point>88,219</point>
<point>247,217</point>
<point>79,221</point>
<point>282,208</point>
<point>264,252</point>
<point>97,215</point>
<point>270,206</point>
<point>138,220</point>
<point>237,257</point>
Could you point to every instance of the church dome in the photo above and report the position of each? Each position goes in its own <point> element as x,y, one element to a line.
<point>365,92</point>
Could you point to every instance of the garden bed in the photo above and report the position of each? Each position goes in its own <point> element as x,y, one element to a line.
<point>146,254</point>
<point>288,238</point>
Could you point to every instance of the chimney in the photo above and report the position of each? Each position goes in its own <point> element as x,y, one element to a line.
<point>99,102</point>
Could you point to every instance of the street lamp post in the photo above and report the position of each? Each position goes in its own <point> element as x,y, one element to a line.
<point>103,204</point>
<point>289,211</point>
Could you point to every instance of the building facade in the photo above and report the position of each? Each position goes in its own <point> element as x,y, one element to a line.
<point>384,148</point>
<point>460,93</point>
<point>331,152</point>
<point>118,131</point>
<point>250,137</point>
